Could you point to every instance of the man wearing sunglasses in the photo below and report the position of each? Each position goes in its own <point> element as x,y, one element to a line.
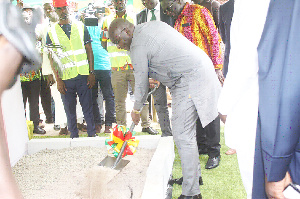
<point>196,23</point>
<point>159,51</point>
<point>75,71</point>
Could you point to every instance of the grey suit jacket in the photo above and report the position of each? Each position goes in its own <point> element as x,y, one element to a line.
<point>226,13</point>
<point>164,54</point>
<point>142,17</point>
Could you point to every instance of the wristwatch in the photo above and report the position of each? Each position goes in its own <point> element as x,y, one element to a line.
<point>92,72</point>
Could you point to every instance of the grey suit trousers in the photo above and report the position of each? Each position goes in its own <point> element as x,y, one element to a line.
<point>161,106</point>
<point>184,116</point>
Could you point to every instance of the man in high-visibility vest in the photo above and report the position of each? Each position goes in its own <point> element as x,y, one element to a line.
<point>41,32</point>
<point>74,73</point>
<point>122,71</point>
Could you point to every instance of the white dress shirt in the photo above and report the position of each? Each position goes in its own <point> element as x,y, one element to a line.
<point>156,13</point>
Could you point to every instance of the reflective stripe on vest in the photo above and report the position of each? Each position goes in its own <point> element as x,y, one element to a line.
<point>74,58</point>
<point>118,57</point>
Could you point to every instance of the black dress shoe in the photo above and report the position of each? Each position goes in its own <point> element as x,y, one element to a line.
<point>150,130</point>
<point>39,130</point>
<point>180,180</point>
<point>213,162</point>
<point>190,197</point>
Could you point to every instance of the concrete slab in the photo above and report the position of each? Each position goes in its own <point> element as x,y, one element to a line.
<point>148,141</point>
<point>88,141</point>
<point>36,145</point>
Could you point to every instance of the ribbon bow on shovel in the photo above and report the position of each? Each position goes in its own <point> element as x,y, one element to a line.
<point>118,137</point>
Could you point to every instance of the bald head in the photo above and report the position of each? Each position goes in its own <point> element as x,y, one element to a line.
<point>120,33</point>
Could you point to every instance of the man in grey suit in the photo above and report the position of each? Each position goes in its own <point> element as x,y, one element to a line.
<point>159,51</point>
<point>154,12</point>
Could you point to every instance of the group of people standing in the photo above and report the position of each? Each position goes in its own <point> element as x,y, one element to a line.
<point>258,103</point>
<point>77,59</point>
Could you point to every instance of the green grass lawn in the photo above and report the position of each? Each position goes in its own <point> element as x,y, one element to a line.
<point>223,182</point>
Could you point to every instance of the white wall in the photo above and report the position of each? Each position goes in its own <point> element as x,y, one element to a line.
<point>15,122</point>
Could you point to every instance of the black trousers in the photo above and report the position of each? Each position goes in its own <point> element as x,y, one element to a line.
<point>209,137</point>
<point>104,79</point>
<point>30,91</point>
<point>46,99</point>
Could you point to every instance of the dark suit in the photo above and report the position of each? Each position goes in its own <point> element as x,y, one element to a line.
<point>277,148</point>
<point>142,17</point>
<point>160,96</point>
<point>226,13</point>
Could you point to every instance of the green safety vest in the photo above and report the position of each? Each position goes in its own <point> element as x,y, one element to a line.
<point>74,60</point>
<point>118,57</point>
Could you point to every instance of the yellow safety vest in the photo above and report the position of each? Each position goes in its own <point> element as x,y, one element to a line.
<point>118,57</point>
<point>74,60</point>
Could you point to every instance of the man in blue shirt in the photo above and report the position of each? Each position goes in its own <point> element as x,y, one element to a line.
<point>102,69</point>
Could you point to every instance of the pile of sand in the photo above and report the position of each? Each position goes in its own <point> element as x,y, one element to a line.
<point>73,173</point>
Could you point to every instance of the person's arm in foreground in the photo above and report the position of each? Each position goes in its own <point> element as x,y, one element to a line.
<point>10,61</point>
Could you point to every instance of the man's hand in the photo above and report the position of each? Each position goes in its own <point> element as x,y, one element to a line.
<point>135,115</point>
<point>50,80</point>
<point>61,87</point>
<point>91,80</point>
<point>223,117</point>
<point>220,76</point>
<point>275,189</point>
<point>153,83</point>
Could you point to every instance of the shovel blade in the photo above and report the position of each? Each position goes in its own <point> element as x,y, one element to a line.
<point>109,161</point>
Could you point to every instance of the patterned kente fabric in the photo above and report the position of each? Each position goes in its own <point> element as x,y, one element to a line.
<point>197,25</point>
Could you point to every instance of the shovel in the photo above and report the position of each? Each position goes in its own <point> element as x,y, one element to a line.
<point>118,163</point>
